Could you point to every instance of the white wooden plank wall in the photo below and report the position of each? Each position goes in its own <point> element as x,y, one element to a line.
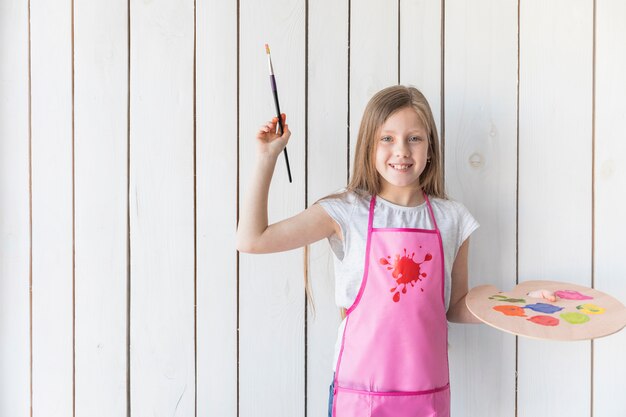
<point>480,156</point>
<point>555,185</point>
<point>327,153</point>
<point>52,211</point>
<point>15,378</point>
<point>100,142</point>
<point>134,122</point>
<point>161,196</point>
<point>610,182</point>
<point>216,207</point>
<point>271,296</point>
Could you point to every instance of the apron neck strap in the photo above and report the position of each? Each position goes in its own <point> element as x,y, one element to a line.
<point>370,221</point>
<point>430,210</point>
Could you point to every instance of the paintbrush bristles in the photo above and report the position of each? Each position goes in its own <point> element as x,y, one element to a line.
<point>269,60</point>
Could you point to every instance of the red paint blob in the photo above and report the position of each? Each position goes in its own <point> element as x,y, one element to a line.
<point>544,320</point>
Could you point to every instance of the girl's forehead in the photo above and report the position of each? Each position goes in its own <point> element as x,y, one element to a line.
<point>402,119</point>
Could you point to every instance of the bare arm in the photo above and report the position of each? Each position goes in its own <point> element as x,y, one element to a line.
<point>253,233</point>
<point>458,311</point>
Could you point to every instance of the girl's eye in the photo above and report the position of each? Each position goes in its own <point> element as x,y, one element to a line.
<point>386,139</point>
<point>415,139</point>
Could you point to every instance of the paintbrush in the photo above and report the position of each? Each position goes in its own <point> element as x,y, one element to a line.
<point>275,92</point>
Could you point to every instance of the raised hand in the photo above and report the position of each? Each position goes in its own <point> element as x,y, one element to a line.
<point>268,141</point>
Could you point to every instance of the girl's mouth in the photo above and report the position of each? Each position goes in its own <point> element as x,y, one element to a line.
<point>401,167</point>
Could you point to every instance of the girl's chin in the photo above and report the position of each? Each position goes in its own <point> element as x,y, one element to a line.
<point>402,182</point>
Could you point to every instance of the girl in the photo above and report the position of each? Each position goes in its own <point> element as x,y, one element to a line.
<point>401,252</point>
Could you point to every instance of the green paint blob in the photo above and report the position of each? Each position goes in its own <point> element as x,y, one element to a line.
<point>575,318</point>
<point>507,299</point>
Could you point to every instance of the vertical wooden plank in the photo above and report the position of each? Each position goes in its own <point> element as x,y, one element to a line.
<point>555,190</point>
<point>216,162</point>
<point>610,182</point>
<point>481,172</point>
<point>373,57</point>
<point>271,293</point>
<point>327,172</point>
<point>101,95</point>
<point>51,82</point>
<point>162,209</point>
<point>14,206</point>
<point>420,50</point>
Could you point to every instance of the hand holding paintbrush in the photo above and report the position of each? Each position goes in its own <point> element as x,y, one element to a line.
<point>278,114</point>
<point>269,141</point>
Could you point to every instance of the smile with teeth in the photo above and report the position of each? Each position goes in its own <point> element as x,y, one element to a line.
<point>401,167</point>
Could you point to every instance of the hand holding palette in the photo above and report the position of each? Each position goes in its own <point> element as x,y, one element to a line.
<point>577,312</point>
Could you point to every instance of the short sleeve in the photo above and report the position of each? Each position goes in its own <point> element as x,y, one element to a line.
<point>339,208</point>
<point>467,223</point>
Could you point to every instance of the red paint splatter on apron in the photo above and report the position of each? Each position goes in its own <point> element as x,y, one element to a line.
<point>405,271</point>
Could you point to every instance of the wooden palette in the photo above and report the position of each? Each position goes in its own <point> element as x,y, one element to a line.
<point>579,313</point>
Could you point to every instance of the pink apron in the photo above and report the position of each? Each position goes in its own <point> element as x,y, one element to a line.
<point>394,359</point>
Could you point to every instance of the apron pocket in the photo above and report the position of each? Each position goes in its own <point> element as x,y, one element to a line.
<point>354,403</point>
<point>351,403</point>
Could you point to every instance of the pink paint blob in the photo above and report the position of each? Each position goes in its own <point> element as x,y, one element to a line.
<point>572,295</point>
<point>544,320</point>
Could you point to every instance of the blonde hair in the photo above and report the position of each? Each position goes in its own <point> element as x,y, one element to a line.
<point>365,179</point>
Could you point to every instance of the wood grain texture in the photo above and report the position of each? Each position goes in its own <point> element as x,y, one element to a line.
<point>610,182</point>
<point>421,49</point>
<point>555,190</point>
<point>373,57</point>
<point>101,103</point>
<point>480,171</point>
<point>216,167</point>
<point>271,290</point>
<point>15,211</point>
<point>52,212</point>
<point>327,172</point>
<point>162,209</point>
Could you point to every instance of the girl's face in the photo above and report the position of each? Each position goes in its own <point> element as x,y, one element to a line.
<point>401,150</point>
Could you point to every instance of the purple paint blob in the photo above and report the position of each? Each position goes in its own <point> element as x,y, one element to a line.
<point>544,308</point>
<point>572,295</point>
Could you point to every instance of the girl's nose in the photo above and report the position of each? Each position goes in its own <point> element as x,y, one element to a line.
<point>402,150</point>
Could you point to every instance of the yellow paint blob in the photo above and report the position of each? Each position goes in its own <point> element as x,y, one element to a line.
<point>590,309</point>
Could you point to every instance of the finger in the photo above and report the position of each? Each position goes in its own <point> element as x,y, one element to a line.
<point>286,132</point>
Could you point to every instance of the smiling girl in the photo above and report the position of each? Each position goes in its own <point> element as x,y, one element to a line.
<point>401,249</point>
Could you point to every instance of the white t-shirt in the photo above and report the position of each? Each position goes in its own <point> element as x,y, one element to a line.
<point>351,212</point>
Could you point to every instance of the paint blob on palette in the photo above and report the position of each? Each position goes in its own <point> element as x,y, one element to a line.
<point>576,313</point>
<point>574,317</point>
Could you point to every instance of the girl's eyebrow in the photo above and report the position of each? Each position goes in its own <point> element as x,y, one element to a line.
<point>419,131</point>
